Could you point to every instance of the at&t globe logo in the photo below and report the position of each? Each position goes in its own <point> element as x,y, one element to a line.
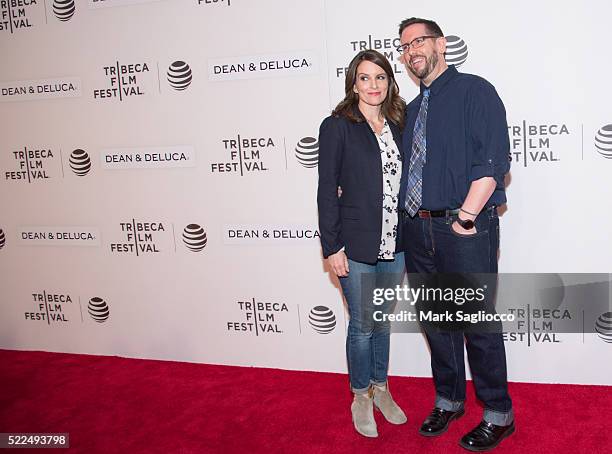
<point>194,237</point>
<point>603,326</point>
<point>322,319</point>
<point>179,75</point>
<point>98,309</point>
<point>80,163</point>
<point>307,152</point>
<point>63,9</point>
<point>456,51</point>
<point>2,239</point>
<point>603,141</point>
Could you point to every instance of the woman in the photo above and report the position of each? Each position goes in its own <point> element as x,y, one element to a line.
<point>360,166</point>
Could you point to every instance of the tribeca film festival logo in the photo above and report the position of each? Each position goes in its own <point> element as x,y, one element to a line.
<point>64,9</point>
<point>16,14</point>
<point>259,317</point>
<point>307,152</point>
<point>98,309</point>
<point>136,79</point>
<point>194,238</point>
<point>124,80</point>
<point>456,51</point>
<point>141,238</point>
<point>59,236</point>
<point>536,325</point>
<point>61,308</point>
<point>31,164</point>
<point>386,46</point>
<point>246,155</point>
<point>296,63</point>
<point>51,308</point>
<point>536,143</point>
<point>322,319</point>
<point>603,141</point>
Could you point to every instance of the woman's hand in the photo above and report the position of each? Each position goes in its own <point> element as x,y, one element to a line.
<point>339,263</point>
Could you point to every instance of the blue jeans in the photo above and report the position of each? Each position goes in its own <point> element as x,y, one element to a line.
<point>433,247</point>
<point>367,342</point>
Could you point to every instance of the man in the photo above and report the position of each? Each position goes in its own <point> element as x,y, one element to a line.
<point>456,156</point>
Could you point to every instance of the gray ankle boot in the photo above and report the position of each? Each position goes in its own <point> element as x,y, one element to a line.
<point>387,406</point>
<point>362,409</point>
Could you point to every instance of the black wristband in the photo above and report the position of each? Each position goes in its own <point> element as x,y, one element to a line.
<point>467,212</point>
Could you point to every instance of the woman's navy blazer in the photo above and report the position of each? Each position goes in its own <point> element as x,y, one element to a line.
<point>349,157</point>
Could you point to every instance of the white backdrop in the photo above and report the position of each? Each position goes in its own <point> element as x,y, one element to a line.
<point>154,199</point>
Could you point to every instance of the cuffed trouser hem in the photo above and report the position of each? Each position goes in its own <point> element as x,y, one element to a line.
<point>447,404</point>
<point>365,390</point>
<point>360,390</point>
<point>498,418</point>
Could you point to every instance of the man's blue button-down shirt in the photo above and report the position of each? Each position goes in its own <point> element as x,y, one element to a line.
<point>467,139</point>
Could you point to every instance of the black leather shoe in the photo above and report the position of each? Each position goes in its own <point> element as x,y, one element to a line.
<point>438,421</point>
<point>486,436</point>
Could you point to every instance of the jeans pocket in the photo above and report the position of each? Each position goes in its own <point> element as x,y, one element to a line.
<point>481,230</point>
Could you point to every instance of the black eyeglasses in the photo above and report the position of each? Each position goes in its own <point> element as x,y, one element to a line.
<point>415,43</point>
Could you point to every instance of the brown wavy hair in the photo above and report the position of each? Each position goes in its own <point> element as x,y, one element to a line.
<point>393,106</point>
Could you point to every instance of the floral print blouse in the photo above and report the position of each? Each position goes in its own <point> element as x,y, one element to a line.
<point>392,172</point>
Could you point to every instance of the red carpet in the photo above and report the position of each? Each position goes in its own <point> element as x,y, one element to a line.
<point>119,405</point>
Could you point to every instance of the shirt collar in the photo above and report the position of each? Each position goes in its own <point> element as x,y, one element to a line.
<point>441,80</point>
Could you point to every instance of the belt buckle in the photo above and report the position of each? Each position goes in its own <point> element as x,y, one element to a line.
<point>424,214</point>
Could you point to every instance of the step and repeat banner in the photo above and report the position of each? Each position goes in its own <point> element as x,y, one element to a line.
<point>158,173</point>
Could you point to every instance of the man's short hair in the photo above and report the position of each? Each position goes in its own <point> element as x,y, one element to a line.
<point>432,27</point>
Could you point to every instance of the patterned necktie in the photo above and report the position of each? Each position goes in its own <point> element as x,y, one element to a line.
<point>414,189</point>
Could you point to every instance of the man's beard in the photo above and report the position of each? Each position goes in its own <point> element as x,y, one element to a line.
<point>430,64</point>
